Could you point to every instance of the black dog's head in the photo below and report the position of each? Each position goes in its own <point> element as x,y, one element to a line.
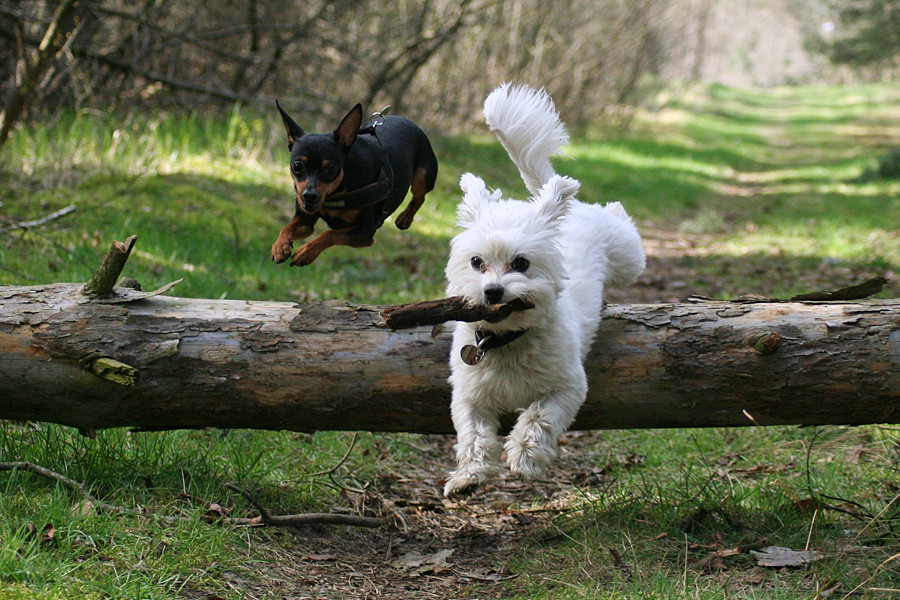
<point>317,159</point>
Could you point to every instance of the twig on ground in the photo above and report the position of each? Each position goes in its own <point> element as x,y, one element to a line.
<point>330,472</point>
<point>340,462</point>
<point>73,485</point>
<point>42,221</point>
<point>296,520</point>
<point>263,513</point>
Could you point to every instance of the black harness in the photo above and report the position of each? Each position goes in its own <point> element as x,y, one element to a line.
<point>373,193</point>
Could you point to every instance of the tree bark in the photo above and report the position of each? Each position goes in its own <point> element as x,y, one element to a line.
<point>158,362</point>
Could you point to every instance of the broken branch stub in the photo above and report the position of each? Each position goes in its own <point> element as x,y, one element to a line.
<point>104,279</point>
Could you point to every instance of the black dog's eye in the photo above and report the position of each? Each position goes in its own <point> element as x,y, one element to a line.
<point>520,264</point>
<point>298,168</point>
<point>330,171</point>
<point>478,264</point>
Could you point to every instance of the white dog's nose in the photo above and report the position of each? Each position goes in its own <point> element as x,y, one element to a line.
<point>493,293</point>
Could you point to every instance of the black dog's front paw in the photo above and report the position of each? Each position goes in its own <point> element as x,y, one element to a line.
<point>281,251</point>
<point>305,255</point>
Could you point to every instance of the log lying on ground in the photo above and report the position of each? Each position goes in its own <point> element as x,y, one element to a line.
<point>158,362</point>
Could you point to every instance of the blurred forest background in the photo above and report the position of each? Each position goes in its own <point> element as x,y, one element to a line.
<point>433,60</point>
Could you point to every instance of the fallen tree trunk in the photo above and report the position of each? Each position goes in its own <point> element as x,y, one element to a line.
<point>159,362</point>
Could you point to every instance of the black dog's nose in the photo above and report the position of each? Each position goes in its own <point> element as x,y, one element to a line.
<point>493,293</point>
<point>310,196</point>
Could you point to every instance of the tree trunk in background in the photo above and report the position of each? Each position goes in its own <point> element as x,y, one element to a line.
<point>166,363</point>
<point>54,38</point>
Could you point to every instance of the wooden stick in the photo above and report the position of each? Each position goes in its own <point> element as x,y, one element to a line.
<point>42,221</point>
<point>433,312</point>
<point>103,281</point>
<point>854,292</point>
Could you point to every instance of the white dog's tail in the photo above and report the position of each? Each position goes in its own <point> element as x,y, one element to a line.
<point>528,125</point>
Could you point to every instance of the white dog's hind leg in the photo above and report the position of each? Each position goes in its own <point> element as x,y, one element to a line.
<point>533,443</point>
<point>477,448</point>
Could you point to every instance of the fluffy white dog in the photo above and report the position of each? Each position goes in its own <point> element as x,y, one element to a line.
<point>553,250</point>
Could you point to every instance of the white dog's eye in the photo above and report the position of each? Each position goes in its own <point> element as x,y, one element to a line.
<point>520,264</point>
<point>478,264</point>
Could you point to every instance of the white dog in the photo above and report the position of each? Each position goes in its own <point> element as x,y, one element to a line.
<point>552,250</point>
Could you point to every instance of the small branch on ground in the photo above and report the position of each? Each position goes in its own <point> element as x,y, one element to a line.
<point>330,472</point>
<point>434,312</point>
<point>73,485</point>
<point>42,221</point>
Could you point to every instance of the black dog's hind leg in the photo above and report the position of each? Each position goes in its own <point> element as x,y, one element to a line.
<point>422,183</point>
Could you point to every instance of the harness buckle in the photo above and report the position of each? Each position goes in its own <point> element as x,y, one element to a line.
<point>377,118</point>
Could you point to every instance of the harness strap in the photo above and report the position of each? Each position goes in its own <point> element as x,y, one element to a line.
<point>370,194</point>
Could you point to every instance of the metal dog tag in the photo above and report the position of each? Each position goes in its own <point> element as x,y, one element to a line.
<point>471,355</point>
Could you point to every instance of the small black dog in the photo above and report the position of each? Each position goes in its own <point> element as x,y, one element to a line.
<point>353,179</point>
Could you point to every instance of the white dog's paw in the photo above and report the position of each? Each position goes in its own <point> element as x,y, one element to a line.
<point>465,479</point>
<point>527,459</point>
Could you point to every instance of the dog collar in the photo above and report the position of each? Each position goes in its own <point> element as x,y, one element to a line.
<point>484,341</point>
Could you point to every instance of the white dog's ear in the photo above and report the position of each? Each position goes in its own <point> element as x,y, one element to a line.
<point>475,195</point>
<point>553,199</point>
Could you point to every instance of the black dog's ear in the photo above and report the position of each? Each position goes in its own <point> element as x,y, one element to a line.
<point>346,132</point>
<point>294,131</point>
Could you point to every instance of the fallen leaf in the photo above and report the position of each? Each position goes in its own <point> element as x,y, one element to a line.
<point>829,589</point>
<point>215,511</point>
<point>48,534</point>
<point>424,563</point>
<point>779,556</point>
<point>83,509</point>
<point>319,557</point>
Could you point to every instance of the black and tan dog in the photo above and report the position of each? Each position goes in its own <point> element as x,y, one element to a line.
<point>353,179</point>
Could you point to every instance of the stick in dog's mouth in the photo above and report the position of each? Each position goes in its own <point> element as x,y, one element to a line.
<point>434,312</point>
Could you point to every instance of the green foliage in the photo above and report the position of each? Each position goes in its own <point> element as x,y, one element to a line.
<point>888,168</point>
<point>868,33</point>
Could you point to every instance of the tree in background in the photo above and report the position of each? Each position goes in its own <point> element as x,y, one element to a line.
<point>867,34</point>
<point>433,60</point>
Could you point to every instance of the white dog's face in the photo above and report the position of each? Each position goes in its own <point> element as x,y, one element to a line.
<point>508,249</point>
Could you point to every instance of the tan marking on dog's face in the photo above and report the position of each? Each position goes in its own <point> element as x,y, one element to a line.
<point>327,188</point>
<point>323,188</point>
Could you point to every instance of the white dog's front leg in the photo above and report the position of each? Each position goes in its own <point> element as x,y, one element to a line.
<point>532,444</point>
<point>477,447</point>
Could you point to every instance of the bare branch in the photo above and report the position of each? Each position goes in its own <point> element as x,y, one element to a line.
<point>42,221</point>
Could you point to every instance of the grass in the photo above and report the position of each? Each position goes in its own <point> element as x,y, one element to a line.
<point>762,181</point>
<point>677,523</point>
